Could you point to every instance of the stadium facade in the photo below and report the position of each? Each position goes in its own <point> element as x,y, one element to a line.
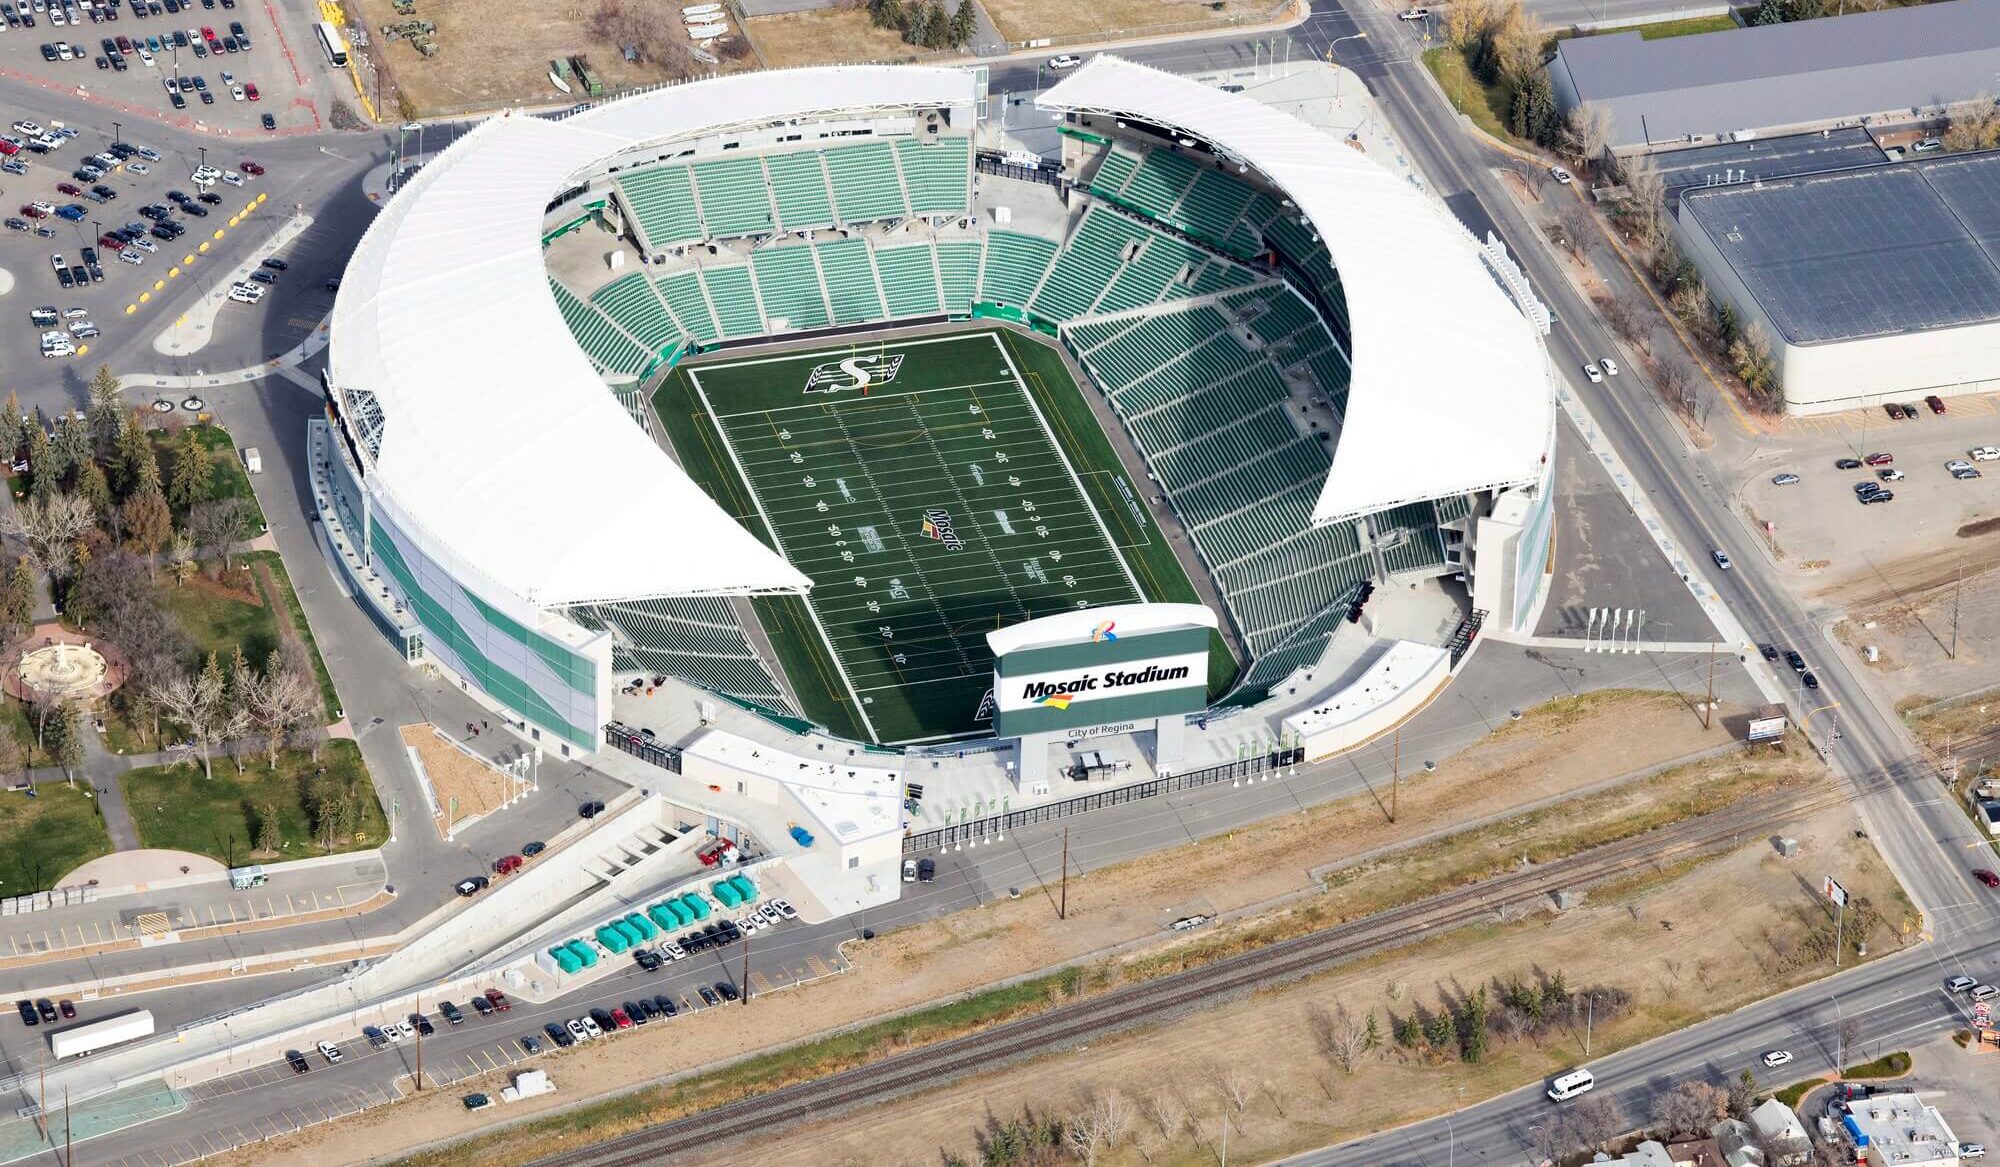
<point>487,471</point>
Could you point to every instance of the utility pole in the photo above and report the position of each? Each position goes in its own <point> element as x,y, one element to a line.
<point>1589,1015</point>
<point>1396,774</point>
<point>420,1045</point>
<point>1956,589</point>
<point>1062,908</point>
<point>42,1097</point>
<point>68,1156</point>
<point>1708,706</point>
<point>746,968</point>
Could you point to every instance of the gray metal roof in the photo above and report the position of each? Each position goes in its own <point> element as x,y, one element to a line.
<point>1765,159</point>
<point>1793,74</point>
<point>1871,252</point>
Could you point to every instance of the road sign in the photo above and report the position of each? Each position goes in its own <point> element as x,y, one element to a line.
<point>1832,890</point>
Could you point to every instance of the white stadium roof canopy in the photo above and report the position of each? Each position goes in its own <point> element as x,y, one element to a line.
<point>499,438</point>
<point>1451,387</point>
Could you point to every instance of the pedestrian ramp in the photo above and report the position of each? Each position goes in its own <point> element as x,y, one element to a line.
<point>22,1137</point>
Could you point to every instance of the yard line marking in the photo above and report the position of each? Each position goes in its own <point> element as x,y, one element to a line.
<point>889,395</point>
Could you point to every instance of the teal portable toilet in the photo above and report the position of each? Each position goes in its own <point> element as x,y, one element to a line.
<point>610,937</point>
<point>725,892</point>
<point>743,886</point>
<point>645,927</point>
<point>584,952</point>
<point>696,904</point>
<point>683,915</point>
<point>662,916</point>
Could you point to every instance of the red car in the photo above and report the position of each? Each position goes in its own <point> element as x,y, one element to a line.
<point>34,212</point>
<point>507,864</point>
<point>1935,402</point>
<point>111,243</point>
<point>250,91</point>
<point>9,146</point>
<point>249,167</point>
<point>499,1000</point>
<point>207,33</point>
<point>1879,459</point>
<point>623,1021</point>
<point>1986,877</point>
<point>70,188</point>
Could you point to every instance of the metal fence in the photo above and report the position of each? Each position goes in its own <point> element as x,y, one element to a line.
<point>1117,796</point>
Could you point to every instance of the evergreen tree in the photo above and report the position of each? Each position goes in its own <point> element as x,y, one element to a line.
<point>1472,1032</point>
<point>887,14</point>
<point>73,448</point>
<point>10,414</point>
<point>915,17</point>
<point>65,734</point>
<point>1443,1032</point>
<point>42,463</point>
<point>1409,1032</point>
<point>937,26</point>
<point>267,828</point>
<point>193,472</point>
<point>148,524</point>
<point>17,602</point>
<point>94,489</point>
<point>964,23</point>
<point>107,410</point>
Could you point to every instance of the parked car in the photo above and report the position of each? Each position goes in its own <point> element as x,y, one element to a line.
<point>1847,464</point>
<point>562,1037</point>
<point>298,1061</point>
<point>473,886</point>
<point>1880,458</point>
<point>450,1013</point>
<point>506,864</point>
<point>1960,985</point>
<point>1786,479</point>
<point>926,870</point>
<point>330,1052</point>
<point>708,995</point>
<point>1935,402</point>
<point>1561,176</point>
<point>666,1005</point>
<point>28,1014</point>
<point>482,1006</point>
<point>423,1024</point>
<point>727,989</point>
<point>498,1000</point>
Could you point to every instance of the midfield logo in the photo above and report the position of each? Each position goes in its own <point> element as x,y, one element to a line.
<point>857,372</point>
<point>937,525</point>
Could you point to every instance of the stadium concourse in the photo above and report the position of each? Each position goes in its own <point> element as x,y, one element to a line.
<point>750,407</point>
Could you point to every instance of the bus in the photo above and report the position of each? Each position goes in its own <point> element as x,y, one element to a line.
<point>1568,1086</point>
<point>332,44</point>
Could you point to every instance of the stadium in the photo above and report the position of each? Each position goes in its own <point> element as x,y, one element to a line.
<point>795,385</point>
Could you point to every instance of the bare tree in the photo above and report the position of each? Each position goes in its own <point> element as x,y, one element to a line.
<point>279,702</point>
<point>1592,1121</point>
<point>1677,385</point>
<point>1689,1109</point>
<point>1649,196</point>
<point>1577,226</point>
<point>1341,1037</point>
<point>1848,1032</point>
<point>1531,175</point>
<point>1235,1084</point>
<point>1168,1110</point>
<point>1088,1133</point>
<point>50,528</point>
<point>652,30</point>
<point>217,526</point>
<point>199,704</point>
<point>1586,134</point>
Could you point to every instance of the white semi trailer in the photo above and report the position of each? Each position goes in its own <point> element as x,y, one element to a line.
<point>96,1035</point>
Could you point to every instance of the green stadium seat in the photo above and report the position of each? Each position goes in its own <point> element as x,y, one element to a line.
<point>1157,187</point>
<point>601,339</point>
<point>629,301</point>
<point>938,174</point>
<point>1213,205</point>
<point>798,183</point>
<point>788,285</point>
<point>909,279</point>
<point>682,292</point>
<point>866,184</point>
<point>1015,264</point>
<point>735,300</point>
<point>958,271</point>
<point>662,200</point>
<point>1087,265</point>
<point>1115,171</point>
<point>850,281</point>
<point>735,197</point>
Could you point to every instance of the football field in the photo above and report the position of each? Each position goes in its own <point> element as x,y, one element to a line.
<point>916,483</point>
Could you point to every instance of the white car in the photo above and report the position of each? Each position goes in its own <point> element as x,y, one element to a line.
<point>241,297</point>
<point>50,352</point>
<point>82,328</point>
<point>29,129</point>
<point>590,1027</point>
<point>143,244</point>
<point>909,865</point>
<point>236,92</point>
<point>64,52</point>
<point>330,1052</point>
<point>785,909</point>
<point>146,59</point>
<point>130,256</point>
<point>1065,61</point>
<point>1721,558</point>
<point>232,178</point>
<point>403,1030</point>
<point>1957,464</point>
<point>75,313</point>
<point>1414,14</point>
<point>1776,1058</point>
<point>1595,374</point>
<point>1985,454</point>
<point>138,168</point>
<point>1610,367</point>
<point>577,1031</point>
<point>1960,984</point>
<point>770,914</point>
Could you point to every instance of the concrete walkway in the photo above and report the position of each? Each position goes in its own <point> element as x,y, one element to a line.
<point>103,777</point>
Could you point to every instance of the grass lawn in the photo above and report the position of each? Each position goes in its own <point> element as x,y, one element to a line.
<point>20,722</point>
<point>328,697</point>
<point>217,623</point>
<point>1692,26</point>
<point>228,479</point>
<point>46,837</point>
<point>175,807</point>
<point>1488,107</point>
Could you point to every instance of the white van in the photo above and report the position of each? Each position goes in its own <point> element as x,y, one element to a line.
<point>1985,993</point>
<point>1568,1086</point>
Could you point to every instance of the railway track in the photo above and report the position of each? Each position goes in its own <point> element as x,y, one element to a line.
<point>1137,1004</point>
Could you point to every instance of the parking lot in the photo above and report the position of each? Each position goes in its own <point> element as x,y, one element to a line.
<point>1812,484</point>
<point>220,62</point>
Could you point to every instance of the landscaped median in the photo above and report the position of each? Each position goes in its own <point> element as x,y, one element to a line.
<point>316,807</point>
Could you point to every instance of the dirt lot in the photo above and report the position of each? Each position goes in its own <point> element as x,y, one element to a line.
<point>1913,631</point>
<point>478,787</point>
<point>1020,20</point>
<point>1753,905</point>
<point>827,36</point>
<point>1559,749</point>
<point>484,63</point>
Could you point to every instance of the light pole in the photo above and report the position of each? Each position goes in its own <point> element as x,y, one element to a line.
<point>116,130</point>
<point>1331,45</point>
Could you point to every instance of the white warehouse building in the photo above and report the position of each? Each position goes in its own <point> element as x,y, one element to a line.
<point>1873,283</point>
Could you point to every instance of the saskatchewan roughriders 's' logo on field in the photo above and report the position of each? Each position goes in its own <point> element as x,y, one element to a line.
<point>857,372</point>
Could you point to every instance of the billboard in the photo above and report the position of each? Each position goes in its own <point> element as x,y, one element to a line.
<point>1100,667</point>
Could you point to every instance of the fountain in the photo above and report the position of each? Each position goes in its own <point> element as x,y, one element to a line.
<point>60,671</point>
